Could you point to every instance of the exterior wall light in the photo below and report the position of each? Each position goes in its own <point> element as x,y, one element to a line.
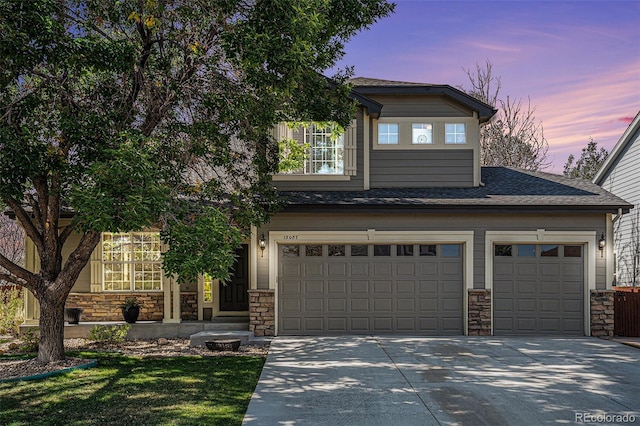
<point>262,243</point>
<point>601,243</point>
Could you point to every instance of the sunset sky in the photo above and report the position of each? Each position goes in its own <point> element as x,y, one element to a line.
<point>578,61</point>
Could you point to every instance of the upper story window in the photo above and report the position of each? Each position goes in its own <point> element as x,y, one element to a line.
<point>388,133</point>
<point>421,133</point>
<point>326,154</point>
<point>131,261</point>
<point>455,133</point>
<point>311,149</point>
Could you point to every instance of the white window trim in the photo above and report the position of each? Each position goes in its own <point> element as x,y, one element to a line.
<point>438,133</point>
<point>101,262</point>
<point>371,236</point>
<point>541,236</point>
<point>456,142</point>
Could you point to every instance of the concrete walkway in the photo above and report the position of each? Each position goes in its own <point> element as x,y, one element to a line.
<point>363,380</point>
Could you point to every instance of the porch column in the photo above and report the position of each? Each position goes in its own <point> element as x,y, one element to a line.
<point>171,311</point>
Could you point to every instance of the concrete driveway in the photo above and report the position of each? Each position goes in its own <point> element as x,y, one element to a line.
<point>369,380</point>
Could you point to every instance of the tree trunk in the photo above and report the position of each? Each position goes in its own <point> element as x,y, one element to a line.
<point>51,341</point>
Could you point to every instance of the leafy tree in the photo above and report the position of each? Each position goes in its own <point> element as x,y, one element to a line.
<point>514,137</point>
<point>135,114</point>
<point>589,162</point>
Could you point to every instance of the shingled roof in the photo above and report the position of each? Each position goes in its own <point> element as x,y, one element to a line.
<point>363,87</point>
<point>505,189</point>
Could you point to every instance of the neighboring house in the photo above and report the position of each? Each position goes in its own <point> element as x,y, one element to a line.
<point>393,228</point>
<point>620,174</point>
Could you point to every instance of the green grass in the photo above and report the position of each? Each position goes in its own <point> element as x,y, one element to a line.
<point>138,391</point>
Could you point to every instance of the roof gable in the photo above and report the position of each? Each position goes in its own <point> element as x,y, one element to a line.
<point>618,150</point>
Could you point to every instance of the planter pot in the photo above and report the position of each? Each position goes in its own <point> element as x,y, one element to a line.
<point>72,315</point>
<point>223,345</point>
<point>131,314</point>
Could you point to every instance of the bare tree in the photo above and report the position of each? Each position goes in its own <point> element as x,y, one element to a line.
<point>627,248</point>
<point>514,137</point>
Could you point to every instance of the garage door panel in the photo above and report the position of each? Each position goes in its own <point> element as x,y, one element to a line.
<point>405,324</point>
<point>313,305</point>
<point>338,325</point>
<point>526,270</point>
<point>406,287</point>
<point>291,304</point>
<point>382,268</point>
<point>336,287</point>
<point>313,287</point>
<point>551,306</point>
<point>382,324</point>
<point>550,288</point>
<point>543,295</point>
<point>429,288</point>
<point>405,305</point>
<point>574,271</point>
<point>429,268</point>
<point>313,269</point>
<point>360,324</point>
<point>405,268</point>
<point>382,305</point>
<point>359,269</point>
<point>388,293</point>
<point>291,324</point>
<point>290,287</point>
<point>337,305</point>
<point>358,287</point>
<point>359,305</point>
<point>382,287</point>
<point>313,324</point>
<point>572,306</point>
<point>429,305</point>
<point>337,269</point>
<point>526,288</point>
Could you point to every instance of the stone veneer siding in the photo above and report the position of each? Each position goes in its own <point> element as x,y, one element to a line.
<point>106,306</point>
<point>602,313</point>
<point>262,312</point>
<point>479,313</point>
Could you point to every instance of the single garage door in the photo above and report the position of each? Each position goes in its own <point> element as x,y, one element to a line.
<point>538,289</point>
<point>370,288</point>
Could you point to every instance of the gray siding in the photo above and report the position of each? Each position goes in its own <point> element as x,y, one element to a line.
<point>623,180</point>
<point>479,223</point>
<point>421,168</point>
<point>420,106</point>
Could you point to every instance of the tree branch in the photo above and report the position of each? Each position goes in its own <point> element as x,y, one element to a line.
<point>27,224</point>
<point>17,272</point>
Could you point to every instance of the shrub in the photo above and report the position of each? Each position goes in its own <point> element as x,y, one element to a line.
<point>109,333</point>
<point>30,338</point>
<point>11,312</point>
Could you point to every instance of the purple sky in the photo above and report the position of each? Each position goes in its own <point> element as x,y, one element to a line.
<point>578,61</point>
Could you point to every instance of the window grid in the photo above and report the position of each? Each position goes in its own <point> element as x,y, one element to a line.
<point>388,133</point>
<point>421,133</point>
<point>326,154</point>
<point>455,133</point>
<point>131,261</point>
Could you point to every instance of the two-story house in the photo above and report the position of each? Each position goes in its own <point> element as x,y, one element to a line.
<point>393,227</point>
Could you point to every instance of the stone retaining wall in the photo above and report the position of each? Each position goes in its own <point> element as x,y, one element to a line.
<point>262,312</point>
<point>106,306</point>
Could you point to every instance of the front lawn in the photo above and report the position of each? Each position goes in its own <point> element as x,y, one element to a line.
<point>124,390</point>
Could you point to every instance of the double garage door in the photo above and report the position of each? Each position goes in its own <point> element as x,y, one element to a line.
<point>538,289</point>
<point>370,288</point>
